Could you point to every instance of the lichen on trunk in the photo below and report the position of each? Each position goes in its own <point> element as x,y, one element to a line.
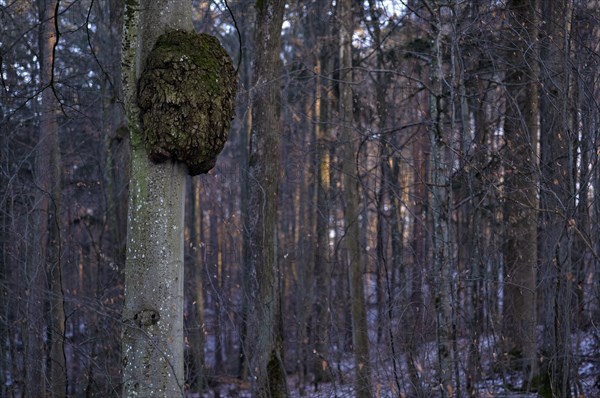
<point>152,341</point>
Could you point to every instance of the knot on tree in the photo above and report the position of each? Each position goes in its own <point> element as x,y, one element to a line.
<point>186,97</point>
<point>146,318</point>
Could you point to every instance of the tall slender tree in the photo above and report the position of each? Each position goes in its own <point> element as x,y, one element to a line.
<point>195,318</point>
<point>323,256</point>
<point>246,25</point>
<point>266,325</point>
<point>557,194</point>
<point>439,203</point>
<point>520,188</point>
<point>360,337</point>
<point>48,170</point>
<point>178,117</point>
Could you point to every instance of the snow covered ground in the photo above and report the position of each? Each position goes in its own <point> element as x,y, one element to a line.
<point>492,381</point>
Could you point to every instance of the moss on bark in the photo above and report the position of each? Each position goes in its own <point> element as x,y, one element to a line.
<point>186,96</point>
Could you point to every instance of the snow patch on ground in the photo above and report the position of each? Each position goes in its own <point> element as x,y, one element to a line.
<point>387,379</point>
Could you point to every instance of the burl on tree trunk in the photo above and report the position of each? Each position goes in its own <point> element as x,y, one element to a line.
<point>186,97</point>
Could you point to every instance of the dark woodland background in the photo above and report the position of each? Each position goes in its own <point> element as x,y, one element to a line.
<point>476,125</point>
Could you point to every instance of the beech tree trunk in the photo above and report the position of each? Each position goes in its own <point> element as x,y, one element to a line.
<point>152,342</point>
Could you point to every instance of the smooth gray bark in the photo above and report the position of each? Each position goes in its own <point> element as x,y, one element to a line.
<point>152,341</point>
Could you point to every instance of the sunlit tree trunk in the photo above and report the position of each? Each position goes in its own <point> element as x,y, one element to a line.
<point>266,344</point>
<point>418,249</point>
<point>152,342</point>
<point>520,190</point>
<point>360,337</point>
<point>322,266</point>
<point>216,258</point>
<point>193,275</point>
<point>320,339</point>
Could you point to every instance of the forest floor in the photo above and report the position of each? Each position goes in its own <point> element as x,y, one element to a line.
<point>387,380</point>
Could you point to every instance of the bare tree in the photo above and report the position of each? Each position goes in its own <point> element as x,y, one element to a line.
<point>265,323</point>
<point>439,202</point>
<point>178,120</point>
<point>321,365</point>
<point>153,311</point>
<point>413,122</point>
<point>360,337</point>
<point>48,249</point>
<point>520,189</point>
<point>557,195</point>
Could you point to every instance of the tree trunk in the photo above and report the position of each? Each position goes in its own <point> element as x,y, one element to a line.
<point>48,170</point>
<point>196,329</point>
<point>322,270</point>
<point>152,341</point>
<point>114,131</point>
<point>266,348</point>
<point>360,335</point>
<point>557,195</point>
<point>246,25</point>
<point>440,207</point>
<point>418,248</point>
<point>520,190</point>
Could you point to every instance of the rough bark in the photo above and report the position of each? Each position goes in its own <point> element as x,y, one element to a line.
<point>266,349</point>
<point>520,189</point>
<point>360,336</point>
<point>152,342</point>
<point>557,196</point>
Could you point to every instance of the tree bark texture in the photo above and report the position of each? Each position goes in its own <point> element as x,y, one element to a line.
<point>265,324</point>
<point>439,197</point>
<point>520,189</point>
<point>152,342</point>
<point>557,195</point>
<point>360,336</point>
<point>47,263</point>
